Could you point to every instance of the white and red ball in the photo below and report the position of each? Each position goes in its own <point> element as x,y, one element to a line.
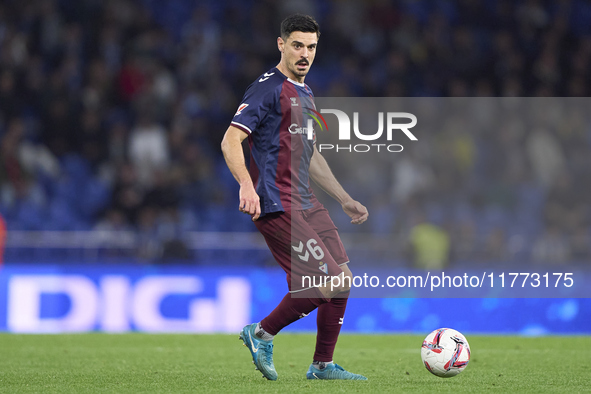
<point>445,352</point>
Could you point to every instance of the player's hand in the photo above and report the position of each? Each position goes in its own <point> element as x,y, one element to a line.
<point>356,211</point>
<point>249,201</point>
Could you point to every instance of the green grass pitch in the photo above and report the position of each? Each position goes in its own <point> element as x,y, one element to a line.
<point>219,363</point>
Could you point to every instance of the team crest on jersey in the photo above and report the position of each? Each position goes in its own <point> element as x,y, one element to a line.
<point>240,109</point>
<point>294,101</point>
<point>323,267</point>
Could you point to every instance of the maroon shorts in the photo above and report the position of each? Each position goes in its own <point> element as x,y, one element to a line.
<point>306,244</point>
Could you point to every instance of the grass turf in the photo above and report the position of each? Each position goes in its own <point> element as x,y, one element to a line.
<point>219,363</point>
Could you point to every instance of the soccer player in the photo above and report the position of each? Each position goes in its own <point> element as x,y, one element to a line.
<point>277,195</point>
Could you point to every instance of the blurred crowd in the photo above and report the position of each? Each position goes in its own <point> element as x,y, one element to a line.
<point>112,111</point>
<point>489,180</point>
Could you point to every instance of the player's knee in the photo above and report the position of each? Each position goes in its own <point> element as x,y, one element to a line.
<point>342,284</point>
<point>347,282</point>
<point>347,278</point>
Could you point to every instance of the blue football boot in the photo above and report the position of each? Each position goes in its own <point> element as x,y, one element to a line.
<point>332,371</point>
<point>262,351</point>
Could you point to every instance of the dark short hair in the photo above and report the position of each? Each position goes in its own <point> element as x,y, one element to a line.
<point>299,22</point>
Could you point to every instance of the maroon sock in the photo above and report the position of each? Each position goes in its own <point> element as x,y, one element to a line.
<point>330,321</point>
<point>291,309</point>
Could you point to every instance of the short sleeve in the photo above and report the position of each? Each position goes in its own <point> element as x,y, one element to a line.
<point>255,105</point>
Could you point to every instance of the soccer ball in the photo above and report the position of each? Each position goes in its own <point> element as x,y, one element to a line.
<point>445,352</point>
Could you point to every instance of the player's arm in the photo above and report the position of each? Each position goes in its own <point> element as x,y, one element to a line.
<point>234,155</point>
<point>321,174</point>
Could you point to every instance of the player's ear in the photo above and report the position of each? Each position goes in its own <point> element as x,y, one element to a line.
<point>280,44</point>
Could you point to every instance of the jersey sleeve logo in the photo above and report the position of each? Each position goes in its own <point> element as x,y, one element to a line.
<point>266,76</point>
<point>240,109</point>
